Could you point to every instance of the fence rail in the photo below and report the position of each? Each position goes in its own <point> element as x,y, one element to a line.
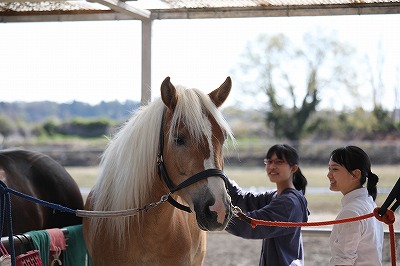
<point>325,232</point>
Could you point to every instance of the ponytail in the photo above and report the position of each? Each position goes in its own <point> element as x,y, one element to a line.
<point>371,184</point>
<point>300,181</point>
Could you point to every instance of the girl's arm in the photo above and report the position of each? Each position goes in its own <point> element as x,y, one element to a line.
<point>247,201</point>
<point>285,208</point>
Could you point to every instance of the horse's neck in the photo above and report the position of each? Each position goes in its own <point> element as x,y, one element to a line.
<point>168,230</point>
<point>164,229</point>
<point>165,226</point>
<point>165,216</point>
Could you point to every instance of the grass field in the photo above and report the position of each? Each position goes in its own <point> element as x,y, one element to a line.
<point>247,177</point>
<point>256,176</point>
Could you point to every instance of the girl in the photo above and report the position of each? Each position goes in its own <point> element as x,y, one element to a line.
<point>360,242</point>
<point>281,245</point>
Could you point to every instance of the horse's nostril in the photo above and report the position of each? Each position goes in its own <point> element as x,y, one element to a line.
<point>210,215</point>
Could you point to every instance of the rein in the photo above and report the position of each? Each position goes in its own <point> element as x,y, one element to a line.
<point>162,172</point>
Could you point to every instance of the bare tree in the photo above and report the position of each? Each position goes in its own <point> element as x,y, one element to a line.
<point>396,115</point>
<point>376,78</point>
<point>293,76</point>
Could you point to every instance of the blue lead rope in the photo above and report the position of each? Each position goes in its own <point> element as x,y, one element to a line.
<point>5,204</point>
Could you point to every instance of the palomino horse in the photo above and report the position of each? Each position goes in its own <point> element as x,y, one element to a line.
<point>137,169</point>
<point>39,176</point>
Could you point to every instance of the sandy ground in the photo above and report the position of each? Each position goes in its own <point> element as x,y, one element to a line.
<point>224,249</point>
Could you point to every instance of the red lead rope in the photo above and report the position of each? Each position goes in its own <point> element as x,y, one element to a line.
<point>388,218</point>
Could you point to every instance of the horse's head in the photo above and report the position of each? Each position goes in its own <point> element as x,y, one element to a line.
<point>195,132</point>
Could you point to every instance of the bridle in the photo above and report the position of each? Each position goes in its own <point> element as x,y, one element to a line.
<point>162,172</point>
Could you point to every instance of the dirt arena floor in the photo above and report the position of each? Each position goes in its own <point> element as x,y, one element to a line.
<point>224,249</point>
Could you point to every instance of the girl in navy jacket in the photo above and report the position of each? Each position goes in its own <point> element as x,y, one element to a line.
<point>281,246</point>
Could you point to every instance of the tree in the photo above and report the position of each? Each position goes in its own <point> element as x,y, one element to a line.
<point>7,126</point>
<point>293,76</point>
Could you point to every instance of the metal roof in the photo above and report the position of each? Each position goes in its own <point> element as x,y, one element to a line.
<point>8,8</point>
<point>75,10</point>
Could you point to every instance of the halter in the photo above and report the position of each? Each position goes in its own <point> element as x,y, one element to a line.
<point>162,172</point>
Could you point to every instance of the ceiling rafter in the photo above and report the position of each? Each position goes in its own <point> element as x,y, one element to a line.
<point>69,10</point>
<point>124,8</point>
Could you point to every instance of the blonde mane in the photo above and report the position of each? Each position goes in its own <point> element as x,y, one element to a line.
<point>128,165</point>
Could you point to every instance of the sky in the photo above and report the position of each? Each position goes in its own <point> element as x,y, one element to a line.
<point>100,61</point>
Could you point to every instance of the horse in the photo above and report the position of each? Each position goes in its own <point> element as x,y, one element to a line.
<point>39,176</point>
<point>170,148</point>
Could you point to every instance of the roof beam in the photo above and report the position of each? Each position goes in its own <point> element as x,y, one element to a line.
<point>124,8</point>
<point>278,11</point>
<point>106,16</point>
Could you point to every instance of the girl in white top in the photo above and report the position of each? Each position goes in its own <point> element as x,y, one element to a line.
<point>360,242</point>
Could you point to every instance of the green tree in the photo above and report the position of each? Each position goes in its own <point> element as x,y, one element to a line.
<point>50,127</point>
<point>7,126</point>
<point>384,121</point>
<point>293,76</point>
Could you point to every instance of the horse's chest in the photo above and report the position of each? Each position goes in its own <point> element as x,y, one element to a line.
<point>171,248</point>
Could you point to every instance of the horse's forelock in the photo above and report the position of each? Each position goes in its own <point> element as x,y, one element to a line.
<point>192,107</point>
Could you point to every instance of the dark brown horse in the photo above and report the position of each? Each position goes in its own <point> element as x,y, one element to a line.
<point>38,175</point>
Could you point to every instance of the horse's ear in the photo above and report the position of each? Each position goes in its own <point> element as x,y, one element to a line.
<point>168,94</point>
<point>219,95</point>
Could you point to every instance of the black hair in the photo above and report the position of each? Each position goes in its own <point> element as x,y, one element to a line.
<point>289,154</point>
<point>352,158</point>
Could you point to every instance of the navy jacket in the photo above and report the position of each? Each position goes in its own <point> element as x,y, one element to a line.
<point>281,246</point>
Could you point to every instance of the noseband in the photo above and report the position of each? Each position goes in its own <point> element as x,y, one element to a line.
<point>162,172</point>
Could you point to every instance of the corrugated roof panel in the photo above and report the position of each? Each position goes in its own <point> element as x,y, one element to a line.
<point>215,3</point>
<point>48,6</point>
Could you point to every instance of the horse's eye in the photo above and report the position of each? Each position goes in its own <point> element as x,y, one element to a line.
<point>179,141</point>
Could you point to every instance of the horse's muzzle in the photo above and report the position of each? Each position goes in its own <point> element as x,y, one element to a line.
<point>211,214</point>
